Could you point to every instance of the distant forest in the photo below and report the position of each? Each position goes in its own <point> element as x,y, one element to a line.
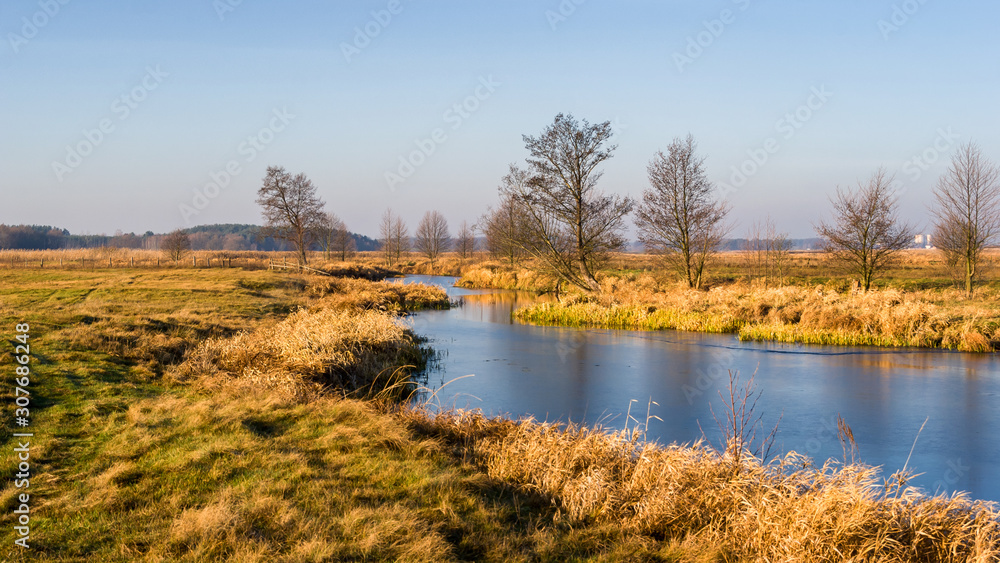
<point>204,237</point>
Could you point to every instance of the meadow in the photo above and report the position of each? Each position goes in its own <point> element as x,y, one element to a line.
<point>184,414</point>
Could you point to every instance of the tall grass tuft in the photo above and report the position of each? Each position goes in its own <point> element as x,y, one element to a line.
<point>353,350</point>
<point>350,339</point>
<point>785,510</point>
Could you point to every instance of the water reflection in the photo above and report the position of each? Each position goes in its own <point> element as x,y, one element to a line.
<point>587,375</point>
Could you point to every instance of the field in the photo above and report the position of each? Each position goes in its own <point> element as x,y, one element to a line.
<point>185,414</point>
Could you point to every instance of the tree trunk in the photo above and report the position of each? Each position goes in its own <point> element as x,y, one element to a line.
<point>970,271</point>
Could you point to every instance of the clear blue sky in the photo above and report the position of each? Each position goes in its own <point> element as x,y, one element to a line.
<point>219,77</point>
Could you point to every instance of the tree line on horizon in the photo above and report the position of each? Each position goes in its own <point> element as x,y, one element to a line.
<point>218,237</point>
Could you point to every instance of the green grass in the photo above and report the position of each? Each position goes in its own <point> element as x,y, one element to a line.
<point>127,466</point>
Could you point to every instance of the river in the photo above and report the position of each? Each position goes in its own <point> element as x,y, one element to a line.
<point>596,376</point>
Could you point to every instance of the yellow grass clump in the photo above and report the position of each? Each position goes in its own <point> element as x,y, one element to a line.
<point>786,510</point>
<point>358,351</point>
<point>383,295</point>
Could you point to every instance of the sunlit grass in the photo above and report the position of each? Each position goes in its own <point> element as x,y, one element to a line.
<point>160,437</point>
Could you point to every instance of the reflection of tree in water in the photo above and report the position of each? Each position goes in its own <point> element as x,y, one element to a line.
<point>497,307</point>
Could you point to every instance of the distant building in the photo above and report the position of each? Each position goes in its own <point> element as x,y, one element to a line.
<point>918,240</point>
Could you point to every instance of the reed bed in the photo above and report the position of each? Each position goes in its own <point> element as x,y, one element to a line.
<point>786,510</point>
<point>812,315</point>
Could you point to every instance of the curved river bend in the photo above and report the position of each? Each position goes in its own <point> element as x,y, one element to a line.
<point>592,375</point>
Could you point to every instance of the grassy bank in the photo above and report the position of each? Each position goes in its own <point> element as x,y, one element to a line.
<point>207,415</point>
<point>932,318</point>
<point>717,506</point>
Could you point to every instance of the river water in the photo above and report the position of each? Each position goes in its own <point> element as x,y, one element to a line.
<point>596,376</point>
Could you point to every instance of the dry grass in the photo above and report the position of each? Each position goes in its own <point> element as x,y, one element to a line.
<point>348,338</point>
<point>786,510</point>
<point>361,352</point>
<point>813,315</point>
<point>233,468</point>
<point>384,296</point>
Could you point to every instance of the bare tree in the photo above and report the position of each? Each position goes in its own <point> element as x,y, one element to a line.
<point>394,237</point>
<point>343,242</point>
<point>570,226</point>
<point>679,217</point>
<point>175,245</point>
<point>400,238</point>
<point>336,239</point>
<point>432,236</point>
<point>866,234</point>
<point>465,241</point>
<point>503,228</point>
<point>385,237</point>
<point>765,252</point>
<point>291,209</point>
<point>968,211</point>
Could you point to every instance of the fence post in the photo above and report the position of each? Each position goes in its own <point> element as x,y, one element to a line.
<point>110,265</point>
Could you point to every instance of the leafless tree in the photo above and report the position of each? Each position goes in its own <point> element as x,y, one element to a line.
<point>336,239</point>
<point>465,241</point>
<point>343,242</point>
<point>432,236</point>
<point>394,237</point>
<point>765,252</point>
<point>400,238</point>
<point>968,211</point>
<point>385,236</point>
<point>679,216</point>
<point>866,234</point>
<point>175,245</point>
<point>291,209</point>
<point>570,226</point>
<point>504,228</point>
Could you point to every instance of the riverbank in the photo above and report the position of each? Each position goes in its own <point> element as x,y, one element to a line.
<point>253,416</point>
<point>804,312</point>
<point>810,315</point>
